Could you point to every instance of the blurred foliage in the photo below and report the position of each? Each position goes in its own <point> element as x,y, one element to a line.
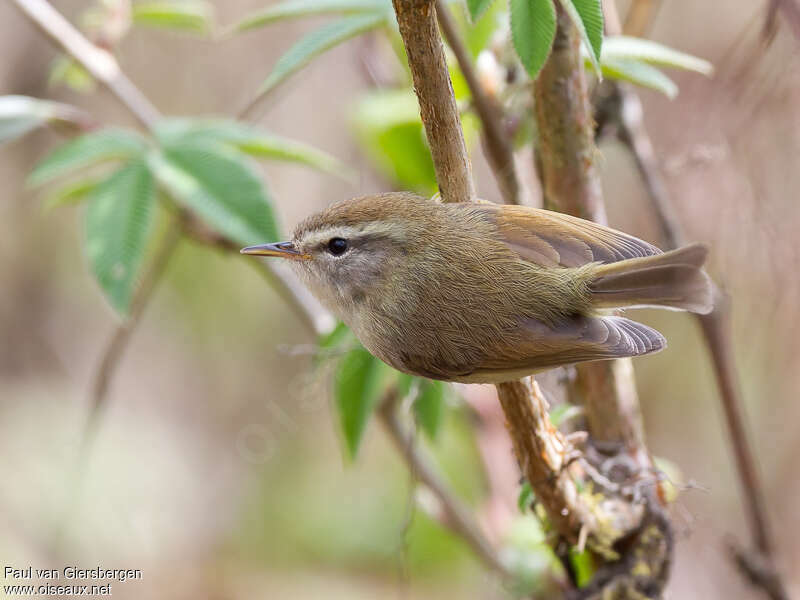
<point>360,382</point>
<point>201,165</point>
<point>131,183</point>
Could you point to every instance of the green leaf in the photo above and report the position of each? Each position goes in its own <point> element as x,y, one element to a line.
<point>71,193</point>
<point>478,35</point>
<point>250,141</point>
<point>317,42</point>
<point>429,406</point>
<point>356,393</point>
<point>185,15</point>
<point>305,8</point>
<point>533,28</point>
<point>220,187</point>
<point>587,15</point>
<point>525,497</point>
<point>477,8</point>
<point>21,114</point>
<point>119,218</point>
<point>630,48</point>
<point>86,150</point>
<point>388,125</point>
<point>640,74</point>
<point>582,565</point>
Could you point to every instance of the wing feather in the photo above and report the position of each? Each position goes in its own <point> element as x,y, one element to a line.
<point>553,239</point>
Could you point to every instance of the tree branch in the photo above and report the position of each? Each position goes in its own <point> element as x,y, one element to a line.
<point>437,104</point>
<point>100,63</point>
<point>571,184</point>
<point>540,448</point>
<point>496,142</point>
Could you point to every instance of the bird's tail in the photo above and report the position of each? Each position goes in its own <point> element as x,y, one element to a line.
<point>670,280</point>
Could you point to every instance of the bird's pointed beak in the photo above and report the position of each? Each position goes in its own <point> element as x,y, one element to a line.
<point>280,249</point>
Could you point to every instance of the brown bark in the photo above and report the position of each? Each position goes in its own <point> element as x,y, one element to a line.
<point>437,104</point>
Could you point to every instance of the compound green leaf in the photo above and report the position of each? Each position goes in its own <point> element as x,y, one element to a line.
<point>250,141</point>
<point>293,9</point>
<point>87,150</point>
<point>356,392</point>
<point>119,217</point>
<point>636,49</point>
<point>185,15</point>
<point>221,187</point>
<point>641,74</point>
<point>587,15</point>
<point>533,28</point>
<point>317,42</point>
<point>429,406</point>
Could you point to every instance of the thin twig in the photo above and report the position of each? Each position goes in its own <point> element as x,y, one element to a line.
<point>119,339</point>
<point>100,63</point>
<point>458,517</point>
<point>438,109</point>
<point>716,328</point>
<point>496,141</point>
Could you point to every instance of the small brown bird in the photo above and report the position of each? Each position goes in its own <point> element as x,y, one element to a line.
<point>484,293</point>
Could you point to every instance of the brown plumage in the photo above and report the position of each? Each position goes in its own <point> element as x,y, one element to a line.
<point>484,292</point>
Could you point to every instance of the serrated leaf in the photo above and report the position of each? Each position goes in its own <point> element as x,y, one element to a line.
<point>587,15</point>
<point>630,48</point>
<point>429,406</point>
<point>477,8</point>
<point>21,114</point>
<point>119,218</point>
<point>220,187</point>
<point>533,28</point>
<point>185,15</point>
<point>294,9</point>
<point>356,394</point>
<point>250,141</point>
<point>641,74</point>
<point>317,42</point>
<point>87,150</point>
<point>71,193</point>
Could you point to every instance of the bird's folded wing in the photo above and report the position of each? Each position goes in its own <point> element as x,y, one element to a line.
<point>553,239</point>
<point>539,347</point>
<point>582,339</point>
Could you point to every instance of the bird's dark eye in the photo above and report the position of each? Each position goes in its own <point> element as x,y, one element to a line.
<point>337,246</point>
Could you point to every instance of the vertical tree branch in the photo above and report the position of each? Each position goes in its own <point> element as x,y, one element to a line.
<point>571,184</point>
<point>437,104</point>
<point>541,450</point>
<point>496,141</point>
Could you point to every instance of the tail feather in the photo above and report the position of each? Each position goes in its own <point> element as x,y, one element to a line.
<point>670,280</point>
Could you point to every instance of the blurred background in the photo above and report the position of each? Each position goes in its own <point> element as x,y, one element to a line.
<point>217,468</point>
